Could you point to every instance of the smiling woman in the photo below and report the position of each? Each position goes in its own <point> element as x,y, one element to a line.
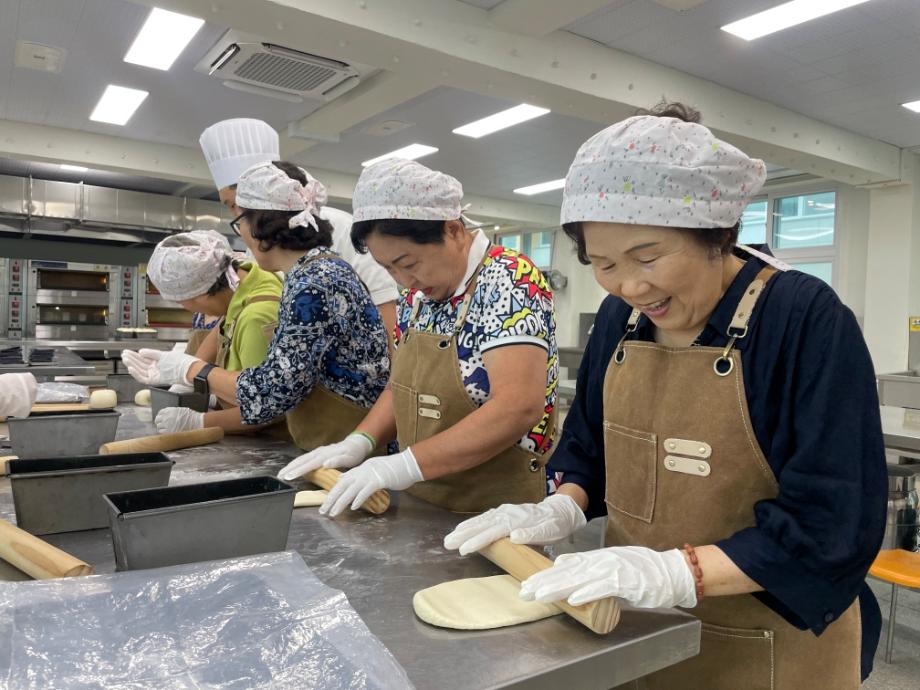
<point>707,424</point>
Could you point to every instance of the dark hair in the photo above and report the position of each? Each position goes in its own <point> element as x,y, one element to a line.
<point>223,282</point>
<point>718,240</point>
<point>271,228</point>
<point>418,231</point>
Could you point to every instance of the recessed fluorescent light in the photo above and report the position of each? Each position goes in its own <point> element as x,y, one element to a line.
<point>117,104</point>
<point>913,105</point>
<point>506,118</point>
<point>162,38</point>
<point>785,15</point>
<point>73,168</point>
<point>540,188</point>
<point>410,152</point>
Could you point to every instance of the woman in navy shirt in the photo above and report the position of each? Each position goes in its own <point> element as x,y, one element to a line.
<point>726,420</point>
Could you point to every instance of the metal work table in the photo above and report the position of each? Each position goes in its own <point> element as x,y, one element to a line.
<point>93,345</point>
<point>901,429</point>
<point>65,363</point>
<point>381,561</point>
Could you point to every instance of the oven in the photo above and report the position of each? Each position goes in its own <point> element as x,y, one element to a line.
<point>69,301</point>
<point>170,319</point>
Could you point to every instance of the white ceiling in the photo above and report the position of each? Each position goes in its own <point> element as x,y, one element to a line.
<point>96,35</point>
<point>852,69</point>
<point>535,151</point>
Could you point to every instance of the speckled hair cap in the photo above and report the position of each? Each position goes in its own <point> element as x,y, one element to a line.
<point>650,170</point>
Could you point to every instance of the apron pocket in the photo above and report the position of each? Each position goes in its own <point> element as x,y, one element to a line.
<point>405,403</point>
<point>632,470</point>
<point>729,659</point>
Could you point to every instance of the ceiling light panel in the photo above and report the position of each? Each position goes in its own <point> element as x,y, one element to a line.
<point>410,152</point>
<point>73,168</point>
<point>913,105</point>
<point>786,15</point>
<point>117,104</point>
<point>541,187</point>
<point>162,39</point>
<point>503,120</point>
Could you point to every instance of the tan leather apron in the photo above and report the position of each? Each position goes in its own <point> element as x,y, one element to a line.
<point>195,339</point>
<point>684,466</point>
<point>429,397</point>
<point>323,417</point>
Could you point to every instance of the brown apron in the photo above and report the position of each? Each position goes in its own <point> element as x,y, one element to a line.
<point>429,397</point>
<point>684,466</point>
<point>323,417</point>
<point>195,339</point>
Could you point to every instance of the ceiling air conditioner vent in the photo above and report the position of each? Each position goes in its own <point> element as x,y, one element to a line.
<point>278,71</point>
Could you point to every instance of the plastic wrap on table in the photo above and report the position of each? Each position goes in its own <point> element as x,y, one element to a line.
<point>246,623</point>
<point>58,392</point>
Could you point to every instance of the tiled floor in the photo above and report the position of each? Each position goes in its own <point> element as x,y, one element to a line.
<point>903,673</point>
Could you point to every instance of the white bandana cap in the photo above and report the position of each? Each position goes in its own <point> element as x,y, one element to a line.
<point>232,146</point>
<point>398,188</point>
<point>268,187</point>
<point>649,170</point>
<point>186,265</point>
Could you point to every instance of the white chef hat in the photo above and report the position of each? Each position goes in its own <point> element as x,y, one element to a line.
<point>650,170</point>
<point>399,188</point>
<point>186,265</point>
<point>232,146</point>
<point>267,187</point>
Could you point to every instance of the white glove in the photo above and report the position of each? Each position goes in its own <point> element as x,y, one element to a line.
<point>643,577</point>
<point>347,453</point>
<point>17,394</point>
<point>181,388</point>
<point>551,520</point>
<point>171,419</point>
<point>157,368</point>
<point>356,486</point>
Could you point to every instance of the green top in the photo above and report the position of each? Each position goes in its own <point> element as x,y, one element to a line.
<point>254,321</point>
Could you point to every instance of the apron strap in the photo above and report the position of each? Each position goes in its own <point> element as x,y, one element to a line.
<point>738,328</point>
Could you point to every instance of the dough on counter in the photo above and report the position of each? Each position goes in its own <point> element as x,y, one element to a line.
<point>142,398</point>
<point>478,603</point>
<point>306,499</point>
<point>103,400</point>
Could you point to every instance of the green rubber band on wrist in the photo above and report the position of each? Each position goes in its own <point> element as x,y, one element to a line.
<point>370,438</point>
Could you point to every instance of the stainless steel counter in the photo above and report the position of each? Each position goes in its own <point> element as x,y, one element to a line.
<point>901,429</point>
<point>115,346</point>
<point>380,562</point>
<point>65,363</point>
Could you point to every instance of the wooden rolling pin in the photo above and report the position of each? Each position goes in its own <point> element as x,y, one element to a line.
<point>4,468</point>
<point>521,562</point>
<point>326,478</point>
<point>36,557</point>
<point>164,442</point>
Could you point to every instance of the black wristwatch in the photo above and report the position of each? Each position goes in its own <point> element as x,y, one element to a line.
<point>201,379</point>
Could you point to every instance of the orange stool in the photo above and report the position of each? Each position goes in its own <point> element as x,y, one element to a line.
<point>902,569</point>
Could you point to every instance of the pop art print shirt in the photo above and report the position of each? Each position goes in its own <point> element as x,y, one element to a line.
<point>512,305</point>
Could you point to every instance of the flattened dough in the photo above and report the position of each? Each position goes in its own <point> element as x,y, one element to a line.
<point>478,603</point>
<point>305,499</point>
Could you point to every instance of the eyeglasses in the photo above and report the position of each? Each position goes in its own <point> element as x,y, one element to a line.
<point>235,224</point>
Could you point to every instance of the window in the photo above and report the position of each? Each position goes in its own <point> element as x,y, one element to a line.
<point>754,223</point>
<point>536,246</point>
<point>800,229</point>
<point>804,221</point>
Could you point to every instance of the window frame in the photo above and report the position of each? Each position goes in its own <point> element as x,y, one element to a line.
<point>824,254</point>
<point>497,235</point>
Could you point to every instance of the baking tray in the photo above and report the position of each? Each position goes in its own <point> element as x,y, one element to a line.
<point>62,434</point>
<point>54,495</point>
<point>125,386</point>
<point>199,522</point>
<point>160,398</point>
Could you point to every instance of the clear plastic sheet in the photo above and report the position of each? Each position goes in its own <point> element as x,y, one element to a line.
<point>62,393</point>
<point>246,623</point>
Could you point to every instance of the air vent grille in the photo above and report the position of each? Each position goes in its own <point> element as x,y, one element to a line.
<point>283,72</point>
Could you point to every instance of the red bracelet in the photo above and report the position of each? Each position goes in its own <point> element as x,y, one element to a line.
<point>696,570</point>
